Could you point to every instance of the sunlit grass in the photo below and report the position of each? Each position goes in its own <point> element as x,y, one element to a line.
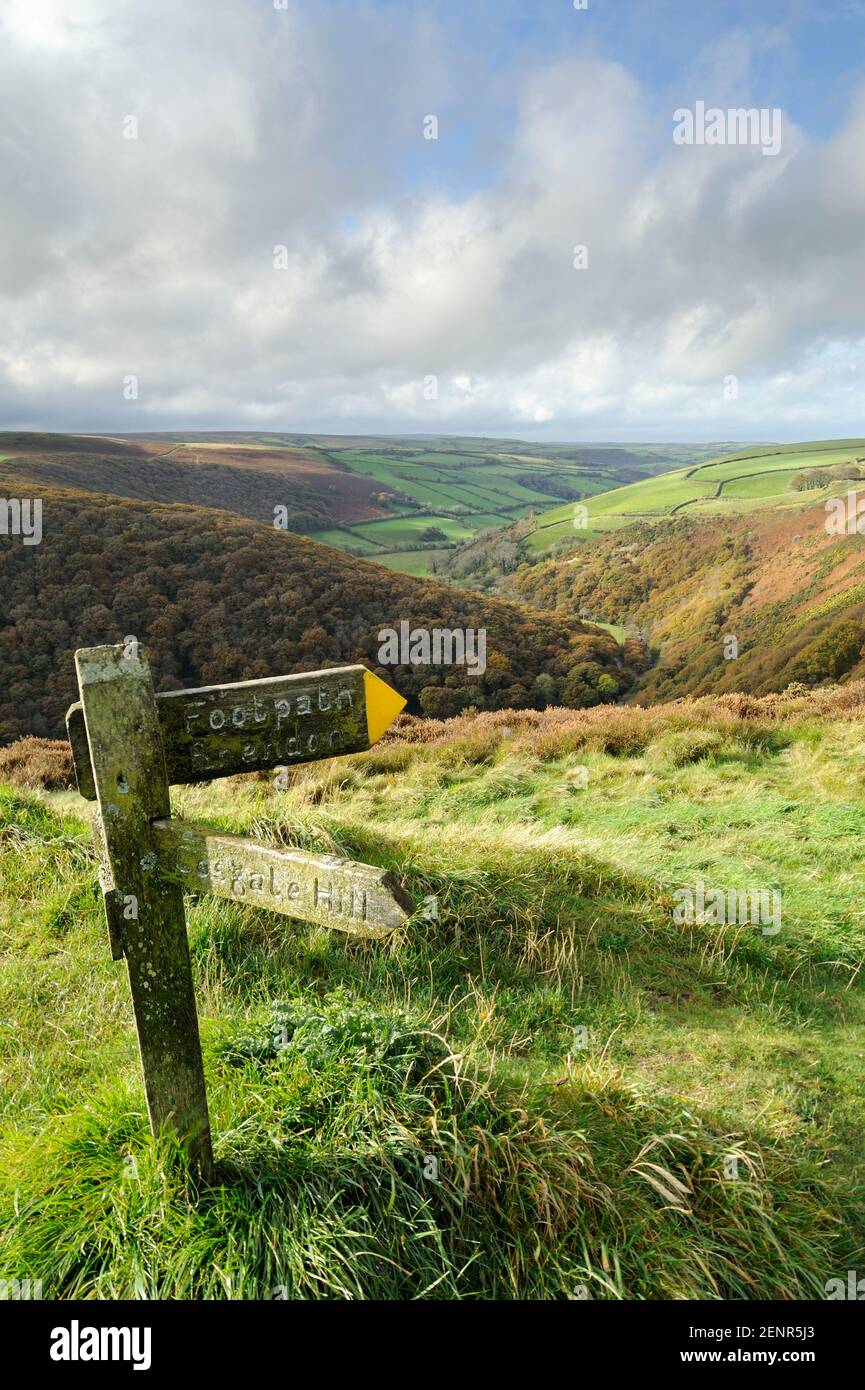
<point>544,1084</point>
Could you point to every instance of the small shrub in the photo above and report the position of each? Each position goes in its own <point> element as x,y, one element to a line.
<point>338,1028</point>
<point>830,656</point>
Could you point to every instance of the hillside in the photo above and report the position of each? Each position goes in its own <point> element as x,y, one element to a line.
<point>768,477</point>
<point>746,548</point>
<point>749,480</point>
<point>546,1088</point>
<point>215,598</point>
<point>789,592</point>
<point>403,501</point>
<point>250,481</point>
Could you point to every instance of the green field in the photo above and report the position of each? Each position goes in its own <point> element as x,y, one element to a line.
<point>344,538</point>
<point>407,528</point>
<point>727,485</point>
<point>615,629</point>
<point>420,563</point>
<point>486,482</point>
<point>545,1086</point>
<point>768,484</point>
<point>802,455</point>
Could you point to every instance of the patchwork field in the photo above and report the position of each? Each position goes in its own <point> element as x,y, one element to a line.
<point>460,492</point>
<point>480,486</point>
<point>752,478</point>
<point>375,497</point>
<point>381,494</point>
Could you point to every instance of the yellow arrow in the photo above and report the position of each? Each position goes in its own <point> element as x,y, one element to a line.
<point>383,704</point>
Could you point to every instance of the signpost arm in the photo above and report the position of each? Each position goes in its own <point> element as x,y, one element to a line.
<point>354,898</point>
<point>146,916</point>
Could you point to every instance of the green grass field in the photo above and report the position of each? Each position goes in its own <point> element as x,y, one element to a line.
<point>398,530</point>
<point>615,629</point>
<point>800,455</point>
<point>731,484</point>
<point>417,562</point>
<point>769,484</point>
<point>545,1085</point>
<point>344,538</point>
<point>483,476</point>
<point>440,479</point>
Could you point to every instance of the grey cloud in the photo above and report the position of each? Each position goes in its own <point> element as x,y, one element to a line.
<point>261,128</point>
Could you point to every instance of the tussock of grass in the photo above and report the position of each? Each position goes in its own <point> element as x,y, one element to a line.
<point>544,1083</point>
<point>686,746</point>
<point>37,762</point>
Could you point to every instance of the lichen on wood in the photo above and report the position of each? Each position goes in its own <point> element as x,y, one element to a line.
<point>144,909</point>
<point>325,888</point>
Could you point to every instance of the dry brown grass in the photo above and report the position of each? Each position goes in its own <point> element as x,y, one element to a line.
<point>630,728</point>
<point>618,729</point>
<point>37,763</point>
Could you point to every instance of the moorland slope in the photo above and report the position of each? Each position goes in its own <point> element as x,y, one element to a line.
<point>216,597</point>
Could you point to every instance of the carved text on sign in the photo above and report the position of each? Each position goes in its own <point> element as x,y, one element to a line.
<point>282,739</point>
<point>275,886</point>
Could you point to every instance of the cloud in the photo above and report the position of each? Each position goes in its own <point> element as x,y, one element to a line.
<point>303,129</point>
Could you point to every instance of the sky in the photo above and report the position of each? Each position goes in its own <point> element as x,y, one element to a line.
<point>473,217</point>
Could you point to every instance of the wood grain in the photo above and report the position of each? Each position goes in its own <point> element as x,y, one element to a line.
<point>144,909</point>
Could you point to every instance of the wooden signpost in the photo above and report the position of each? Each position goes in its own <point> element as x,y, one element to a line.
<point>129,745</point>
<point>253,725</point>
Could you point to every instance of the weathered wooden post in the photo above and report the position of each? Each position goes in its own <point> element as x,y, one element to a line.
<point>129,745</point>
<point>144,909</point>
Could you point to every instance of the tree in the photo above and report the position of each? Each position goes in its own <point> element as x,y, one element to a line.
<point>578,692</point>
<point>437,702</point>
<point>544,691</point>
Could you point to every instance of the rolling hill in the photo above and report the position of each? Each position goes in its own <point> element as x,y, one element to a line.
<point>729,571</point>
<point>406,502</point>
<point>742,482</point>
<point>250,480</point>
<point>218,597</point>
<point>467,487</point>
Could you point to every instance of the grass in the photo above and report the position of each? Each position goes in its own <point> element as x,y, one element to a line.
<point>372,538</point>
<point>757,476</point>
<point>416,562</point>
<point>492,484</point>
<point>768,484</point>
<point>343,537</point>
<point>615,629</point>
<point>543,1085</point>
<point>400,529</point>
